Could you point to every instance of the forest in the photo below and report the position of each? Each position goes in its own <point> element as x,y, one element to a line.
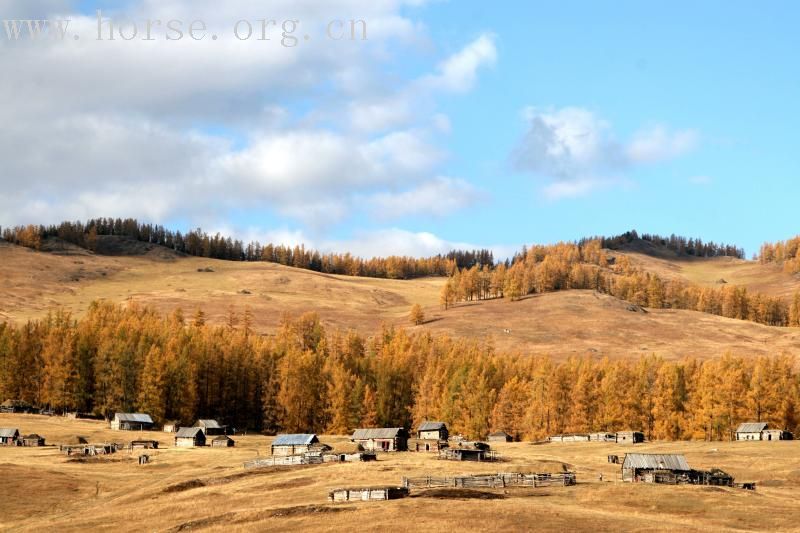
<point>305,378</point>
<point>786,253</point>
<point>199,243</point>
<point>567,266</point>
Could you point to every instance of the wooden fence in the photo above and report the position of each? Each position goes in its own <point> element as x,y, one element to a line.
<point>501,480</point>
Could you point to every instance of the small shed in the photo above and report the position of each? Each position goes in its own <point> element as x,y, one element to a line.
<point>654,468</point>
<point>433,431</point>
<point>132,422</point>
<point>222,441</point>
<point>33,440</point>
<point>293,443</point>
<point>500,436</point>
<point>629,437</point>
<point>382,439</point>
<point>171,426</point>
<point>211,426</point>
<point>9,436</point>
<point>16,406</point>
<point>760,431</point>
<point>190,437</point>
<point>776,434</point>
<point>144,444</point>
<point>750,430</point>
<point>367,494</point>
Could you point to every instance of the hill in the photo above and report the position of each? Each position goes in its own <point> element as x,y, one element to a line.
<point>768,278</point>
<point>560,324</point>
<point>208,490</point>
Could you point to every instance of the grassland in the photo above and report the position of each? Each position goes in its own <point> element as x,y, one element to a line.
<point>208,489</point>
<point>560,324</point>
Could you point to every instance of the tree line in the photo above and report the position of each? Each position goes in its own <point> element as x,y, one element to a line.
<point>201,244</point>
<point>306,379</point>
<point>680,245</point>
<point>786,253</point>
<point>587,265</point>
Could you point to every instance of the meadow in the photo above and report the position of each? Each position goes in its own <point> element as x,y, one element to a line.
<point>208,489</point>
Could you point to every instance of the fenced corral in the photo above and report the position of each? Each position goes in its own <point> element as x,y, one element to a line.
<point>310,459</point>
<point>90,449</point>
<point>468,454</point>
<point>276,460</point>
<point>367,494</point>
<point>501,480</point>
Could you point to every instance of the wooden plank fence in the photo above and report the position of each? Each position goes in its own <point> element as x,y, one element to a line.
<point>501,480</point>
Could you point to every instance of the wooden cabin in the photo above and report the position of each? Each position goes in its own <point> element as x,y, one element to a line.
<point>761,431</point>
<point>190,437</point>
<point>222,441</point>
<point>603,436</point>
<point>468,451</point>
<point>171,426</point>
<point>16,406</point>
<point>500,436</point>
<point>9,436</point>
<point>32,440</point>
<point>655,468</point>
<point>132,422</point>
<point>629,437</point>
<point>144,444</point>
<point>293,443</point>
<point>367,494</point>
<point>433,431</point>
<point>382,439</point>
<point>211,427</point>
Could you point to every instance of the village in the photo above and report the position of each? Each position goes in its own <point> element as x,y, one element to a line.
<point>371,466</point>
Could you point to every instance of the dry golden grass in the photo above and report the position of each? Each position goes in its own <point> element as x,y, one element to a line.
<point>767,279</point>
<point>559,324</point>
<point>43,490</point>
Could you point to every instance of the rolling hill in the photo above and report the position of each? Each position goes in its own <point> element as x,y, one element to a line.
<point>559,324</point>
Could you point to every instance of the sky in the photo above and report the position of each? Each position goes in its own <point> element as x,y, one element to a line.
<point>452,125</point>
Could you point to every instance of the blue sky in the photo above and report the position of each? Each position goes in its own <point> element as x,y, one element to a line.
<point>457,123</point>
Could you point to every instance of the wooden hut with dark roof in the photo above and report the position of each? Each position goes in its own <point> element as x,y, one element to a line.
<point>293,443</point>
<point>382,439</point>
<point>211,426</point>
<point>9,436</point>
<point>190,437</point>
<point>32,440</point>
<point>132,422</point>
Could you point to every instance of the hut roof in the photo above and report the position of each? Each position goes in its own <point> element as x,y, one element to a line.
<point>751,427</point>
<point>221,438</point>
<point>138,418</point>
<point>172,423</point>
<point>295,439</point>
<point>656,461</point>
<point>377,433</point>
<point>188,433</point>
<point>9,433</point>
<point>32,436</point>
<point>208,423</point>
<point>499,434</point>
<point>432,426</point>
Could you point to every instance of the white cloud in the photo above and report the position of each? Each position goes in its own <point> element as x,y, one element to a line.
<point>193,130</point>
<point>576,151</point>
<point>439,197</point>
<point>657,144</point>
<point>459,72</point>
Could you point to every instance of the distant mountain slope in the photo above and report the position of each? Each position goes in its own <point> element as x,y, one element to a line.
<point>561,324</point>
<point>769,278</point>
